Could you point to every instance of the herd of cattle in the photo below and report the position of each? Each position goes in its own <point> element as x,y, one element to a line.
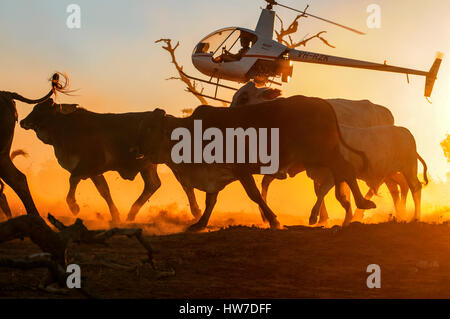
<point>335,141</point>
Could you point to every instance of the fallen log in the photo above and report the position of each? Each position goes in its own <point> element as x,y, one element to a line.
<point>54,245</point>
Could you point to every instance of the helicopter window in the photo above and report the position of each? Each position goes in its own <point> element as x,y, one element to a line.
<point>234,47</point>
<point>214,42</point>
<point>202,47</point>
<point>228,44</point>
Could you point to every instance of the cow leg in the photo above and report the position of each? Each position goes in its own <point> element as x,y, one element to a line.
<point>395,194</point>
<point>404,188</point>
<point>4,207</point>
<point>18,182</point>
<point>344,171</point>
<point>70,198</point>
<point>151,185</point>
<point>343,196</point>
<point>323,213</point>
<point>195,210</point>
<point>267,180</point>
<point>321,189</point>
<point>211,199</point>
<point>400,180</point>
<point>359,213</point>
<point>416,190</point>
<point>345,193</point>
<point>103,189</point>
<point>252,191</point>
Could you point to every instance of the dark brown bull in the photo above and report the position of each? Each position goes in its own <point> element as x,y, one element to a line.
<point>308,134</point>
<point>88,144</point>
<point>8,118</point>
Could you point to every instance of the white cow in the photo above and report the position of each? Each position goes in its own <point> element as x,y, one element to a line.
<point>389,149</point>
<point>250,94</point>
<point>351,113</point>
<point>361,113</point>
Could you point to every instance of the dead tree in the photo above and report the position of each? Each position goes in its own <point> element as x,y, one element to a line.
<point>55,246</point>
<point>191,86</point>
<point>284,35</point>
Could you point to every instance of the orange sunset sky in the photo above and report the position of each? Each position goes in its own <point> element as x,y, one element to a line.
<point>117,67</point>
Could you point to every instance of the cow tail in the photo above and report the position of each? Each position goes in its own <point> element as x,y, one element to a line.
<point>341,138</point>
<point>425,169</point>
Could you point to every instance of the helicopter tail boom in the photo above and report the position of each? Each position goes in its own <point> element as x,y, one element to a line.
<point>310,57</point>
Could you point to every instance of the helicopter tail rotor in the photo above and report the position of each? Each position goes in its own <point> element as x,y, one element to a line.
<point>432,74</point>
<point>271,3</point>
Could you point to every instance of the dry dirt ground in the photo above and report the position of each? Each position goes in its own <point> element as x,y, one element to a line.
<point>246,262</point>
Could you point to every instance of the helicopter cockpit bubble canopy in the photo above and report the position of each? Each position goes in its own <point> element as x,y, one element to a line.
<point>229,39</point>
<point>231,53</point>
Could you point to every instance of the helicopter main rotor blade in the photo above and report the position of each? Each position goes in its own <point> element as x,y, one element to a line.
<point>323,19</point>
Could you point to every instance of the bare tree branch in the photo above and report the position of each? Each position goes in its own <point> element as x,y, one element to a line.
<point>305,41</point>
<point>191,85</point>
<point>292,28</point>
<point>284,35</point>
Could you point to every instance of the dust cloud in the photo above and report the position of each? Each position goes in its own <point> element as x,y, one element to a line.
<point>168,211</point>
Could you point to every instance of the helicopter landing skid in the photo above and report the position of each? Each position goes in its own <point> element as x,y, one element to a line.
<point>216,84</point>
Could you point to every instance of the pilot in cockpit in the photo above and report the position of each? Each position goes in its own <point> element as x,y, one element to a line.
<point>226,56</point>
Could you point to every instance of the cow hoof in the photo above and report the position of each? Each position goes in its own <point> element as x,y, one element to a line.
<point>195,228</point>
<point>323,223</point>
<point>366,204</point>
<point>347,222</point>
<point>196,212</point>
<point>131,217</point>
<point>312,220</point>
<point>114,222</point>
<point>74,208</point>
<point>275,224</point>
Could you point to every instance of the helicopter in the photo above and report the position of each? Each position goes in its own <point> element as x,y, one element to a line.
<point>239,55</point>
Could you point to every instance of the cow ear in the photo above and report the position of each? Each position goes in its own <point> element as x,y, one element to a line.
<point>68,108</point>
